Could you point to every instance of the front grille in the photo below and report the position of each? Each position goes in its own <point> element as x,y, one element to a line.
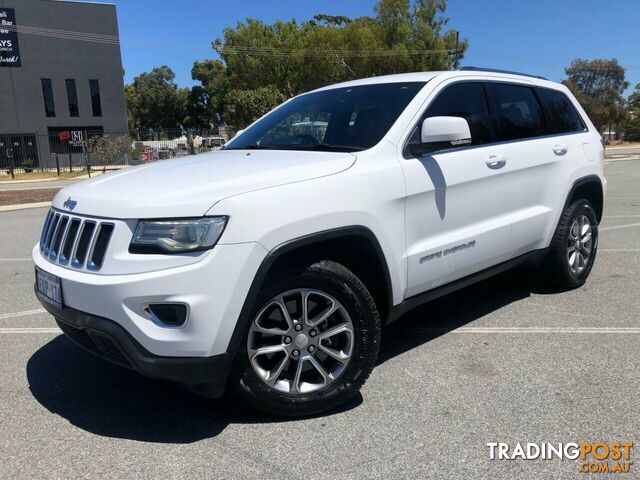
<point>75,241</point>
<point>95,342</point>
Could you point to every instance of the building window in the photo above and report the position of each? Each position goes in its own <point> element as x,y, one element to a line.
<point>96,105</point>
<point>47,95</point>
<point>72,97</point>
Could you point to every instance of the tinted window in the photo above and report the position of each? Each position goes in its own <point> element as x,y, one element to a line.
<point>560,111</point>
<point>72,98</point>
<point>519,112</point>
<point>340,119</point>
<point>47,95</point>
<point>96,105</point>
<point>466,100</point>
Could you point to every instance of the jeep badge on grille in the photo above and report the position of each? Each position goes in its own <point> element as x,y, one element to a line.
<point>70,203</point>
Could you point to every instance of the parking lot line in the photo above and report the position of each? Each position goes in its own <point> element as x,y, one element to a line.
<point>619,250</point>
<point>22,314</point>
<point>30,330</point>
<point>528,330</point>
<point>618,227</point>
<point>463,330</point>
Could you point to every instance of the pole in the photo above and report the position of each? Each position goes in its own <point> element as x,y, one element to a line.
<point>456,57</point>
<point>10,157</point>
<point>57,163</point>
<point>84,152</point>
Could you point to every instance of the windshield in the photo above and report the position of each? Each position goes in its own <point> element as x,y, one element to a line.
<point>341,119</point>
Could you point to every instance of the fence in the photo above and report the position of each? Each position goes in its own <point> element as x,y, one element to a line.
<point>64,150</point>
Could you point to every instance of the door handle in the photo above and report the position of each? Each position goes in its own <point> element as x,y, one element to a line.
<point>560,149</point>
<point>495,162</point>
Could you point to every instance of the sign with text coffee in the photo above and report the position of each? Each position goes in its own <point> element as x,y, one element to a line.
<point>9,48</point>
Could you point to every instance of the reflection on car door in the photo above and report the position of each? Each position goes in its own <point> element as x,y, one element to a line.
<point>458,200</point>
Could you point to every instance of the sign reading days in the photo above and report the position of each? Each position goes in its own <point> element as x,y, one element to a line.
<point>9,49</point>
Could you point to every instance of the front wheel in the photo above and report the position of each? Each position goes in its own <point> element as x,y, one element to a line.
<point>312,342</point>
<point>573,248</point>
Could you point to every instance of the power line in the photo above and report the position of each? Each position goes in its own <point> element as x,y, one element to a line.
<point>310,52</point>
<point>64,34</point>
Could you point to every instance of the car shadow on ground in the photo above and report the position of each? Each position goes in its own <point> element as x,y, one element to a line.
<point>111,401</point>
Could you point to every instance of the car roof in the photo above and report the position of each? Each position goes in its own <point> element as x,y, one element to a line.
<point>426,76</point>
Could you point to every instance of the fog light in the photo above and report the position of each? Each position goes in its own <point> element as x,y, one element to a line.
<point>167,314</point>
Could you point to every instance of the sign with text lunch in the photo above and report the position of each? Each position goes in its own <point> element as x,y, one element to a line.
<point>9,49</point>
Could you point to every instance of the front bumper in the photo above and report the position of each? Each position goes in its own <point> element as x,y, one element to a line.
<point>214,289</point>
<point>107,339</point>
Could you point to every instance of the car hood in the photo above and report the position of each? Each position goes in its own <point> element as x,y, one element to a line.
<point>189,186</point>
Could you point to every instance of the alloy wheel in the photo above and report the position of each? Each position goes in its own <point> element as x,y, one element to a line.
<point>301,341</point>
<point>579,244</point>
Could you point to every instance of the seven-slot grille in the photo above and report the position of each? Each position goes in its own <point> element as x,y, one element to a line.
<point>75,241</point>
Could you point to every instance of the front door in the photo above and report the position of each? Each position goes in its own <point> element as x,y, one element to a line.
<point>458,200</point>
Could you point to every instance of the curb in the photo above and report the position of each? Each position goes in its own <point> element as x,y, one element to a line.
<point>24,206</point>
<point>623,159</point>
<point>38,180</point>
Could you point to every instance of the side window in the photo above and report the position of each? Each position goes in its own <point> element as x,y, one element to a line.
<point>519,112</point>
<point>560,111</point>
<point>466,100</point>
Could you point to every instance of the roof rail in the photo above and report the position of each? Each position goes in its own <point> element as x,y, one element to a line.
<point>495,70</point>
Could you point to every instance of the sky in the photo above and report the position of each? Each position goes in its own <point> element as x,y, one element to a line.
<point>539,37</point>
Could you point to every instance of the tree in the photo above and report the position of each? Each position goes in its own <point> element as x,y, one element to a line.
<point>209,96</point>
<point>243,107</point>
<point>109,150</point>
<point>296,57</point>
<point>263,63</point>
<point>598,85</point>
<point>632,126</point>
<point>154,101</point>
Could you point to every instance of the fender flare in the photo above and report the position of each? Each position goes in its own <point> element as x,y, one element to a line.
<point>583,181</point>
<point>244,318</point>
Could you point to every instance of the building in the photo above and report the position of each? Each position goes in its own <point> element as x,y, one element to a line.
<point>61,79</point>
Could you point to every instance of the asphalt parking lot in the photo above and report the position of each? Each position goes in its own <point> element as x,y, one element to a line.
<point>502,361</point>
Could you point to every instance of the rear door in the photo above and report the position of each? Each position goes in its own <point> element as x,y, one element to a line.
<point>458,199</point>
<point>539,160</point>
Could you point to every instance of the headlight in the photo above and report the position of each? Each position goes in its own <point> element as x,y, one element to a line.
<point>177,236</point>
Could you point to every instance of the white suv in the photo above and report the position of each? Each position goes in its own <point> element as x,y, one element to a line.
<point>271,265</point>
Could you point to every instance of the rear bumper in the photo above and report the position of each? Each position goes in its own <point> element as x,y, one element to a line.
<point>107,339</point>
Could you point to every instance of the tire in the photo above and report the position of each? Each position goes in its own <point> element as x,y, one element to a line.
<point>558,268</point>
<point>256,378</point>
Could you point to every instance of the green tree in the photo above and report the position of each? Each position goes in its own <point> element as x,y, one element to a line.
<point>154,100</point>
<point>632,126</point>
<point>296,57</point>
<point>292,57</point>
<point>598,85</point>
<point>242,107</point>
<point>208,96</point>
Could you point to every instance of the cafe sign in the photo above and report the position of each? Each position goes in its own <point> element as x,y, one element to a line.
<point>9,49</point>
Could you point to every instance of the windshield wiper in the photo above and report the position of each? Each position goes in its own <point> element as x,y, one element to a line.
<point>327,147</point>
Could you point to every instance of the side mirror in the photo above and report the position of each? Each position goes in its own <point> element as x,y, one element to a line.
<point>238,133</point>
<point>452,130</point>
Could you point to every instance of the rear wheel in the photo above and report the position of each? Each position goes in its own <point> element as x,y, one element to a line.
<point>573,247</point>
<point>312,342</point>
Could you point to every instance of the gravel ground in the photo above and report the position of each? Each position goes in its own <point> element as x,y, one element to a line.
<point>15,197</point>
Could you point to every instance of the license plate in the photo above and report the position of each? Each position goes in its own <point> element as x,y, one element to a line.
<point>49,287</point>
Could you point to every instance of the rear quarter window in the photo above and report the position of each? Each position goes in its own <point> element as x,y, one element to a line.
<point>562,115</point>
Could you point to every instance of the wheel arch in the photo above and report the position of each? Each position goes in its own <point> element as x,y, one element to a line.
<point>290,255</point>
<point>589,188</point>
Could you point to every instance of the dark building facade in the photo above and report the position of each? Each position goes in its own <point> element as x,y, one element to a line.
<point>61,78</point>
